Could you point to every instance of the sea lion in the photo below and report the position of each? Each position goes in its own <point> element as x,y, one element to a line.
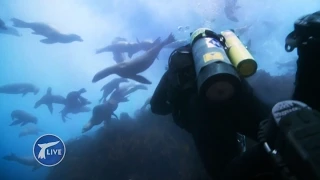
<point>10,31</point>
<point>52,35</point>
<point>100,113</point>
<point>145,45</point>
<point>131,69</point>
<point>48,99</point>
<point>19,88</point>
<point>30,131</point>
<point>66,110</point>
<point>133,87</point>
<point>27,161</point>
<point>3,25</point>
<point>230,8</point>
<point>22,117</point>
<point>121,45</point>
<point>75,100</point>
<point>177,44</point>
<point>111,86</point>
<point>122,92</point>
<point>75,104</point>
<point>118,57</point>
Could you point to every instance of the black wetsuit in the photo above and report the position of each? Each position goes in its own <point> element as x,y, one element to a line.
<point>213,127</point>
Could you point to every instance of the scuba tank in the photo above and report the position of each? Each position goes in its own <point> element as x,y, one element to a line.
<point>220,60</point>
<point>238,54</point>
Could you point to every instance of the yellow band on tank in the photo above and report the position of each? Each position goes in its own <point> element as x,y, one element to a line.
<point>247,67</point>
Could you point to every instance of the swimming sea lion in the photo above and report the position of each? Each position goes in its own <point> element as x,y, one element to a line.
<point>27,161</point>
<point>30,131</point>
<point>48,99</point>
<point>132,87</point>
<point>66,110</point>
<point>75,99</point>
<point>122,92</point>
<point>22,117</point>
<point>118,57</point>
<point>145,45</point>
<point>123,46</point>
<point>230,8</point>
<point>131,69</point>
<point>19,88</point>
<point>100,113</point>
<point>111,86</point>
<point>52,35</point>
<point>75,104</point>
<point>3,25</point>
<point>10,31</point>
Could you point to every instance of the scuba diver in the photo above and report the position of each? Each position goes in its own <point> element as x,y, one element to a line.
<point>289,141</point>
<point>208,96</point>
<point>206,92</point>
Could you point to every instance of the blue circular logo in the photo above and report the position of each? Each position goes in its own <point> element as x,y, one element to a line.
<point>49,150</point>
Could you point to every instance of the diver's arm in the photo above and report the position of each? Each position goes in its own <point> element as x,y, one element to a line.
<point>158,102</point>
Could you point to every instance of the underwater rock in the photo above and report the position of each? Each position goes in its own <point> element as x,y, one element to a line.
<point>151,147</point>
<point>272,89</point>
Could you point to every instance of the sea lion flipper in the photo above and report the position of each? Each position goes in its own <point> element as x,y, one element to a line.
<point>130,54</point>
<point>140,79</point>
<point>48,41</point>
<point>23,123</point>
<point>37,104</point>
<point>50,108</point>
<point>19,23</point>
<point>15,122</point>
<point>104,73</point>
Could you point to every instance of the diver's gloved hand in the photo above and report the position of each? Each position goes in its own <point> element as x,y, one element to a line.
<point>293,132</point>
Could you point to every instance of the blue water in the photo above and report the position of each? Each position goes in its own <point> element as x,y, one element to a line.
<point>69,67</point>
